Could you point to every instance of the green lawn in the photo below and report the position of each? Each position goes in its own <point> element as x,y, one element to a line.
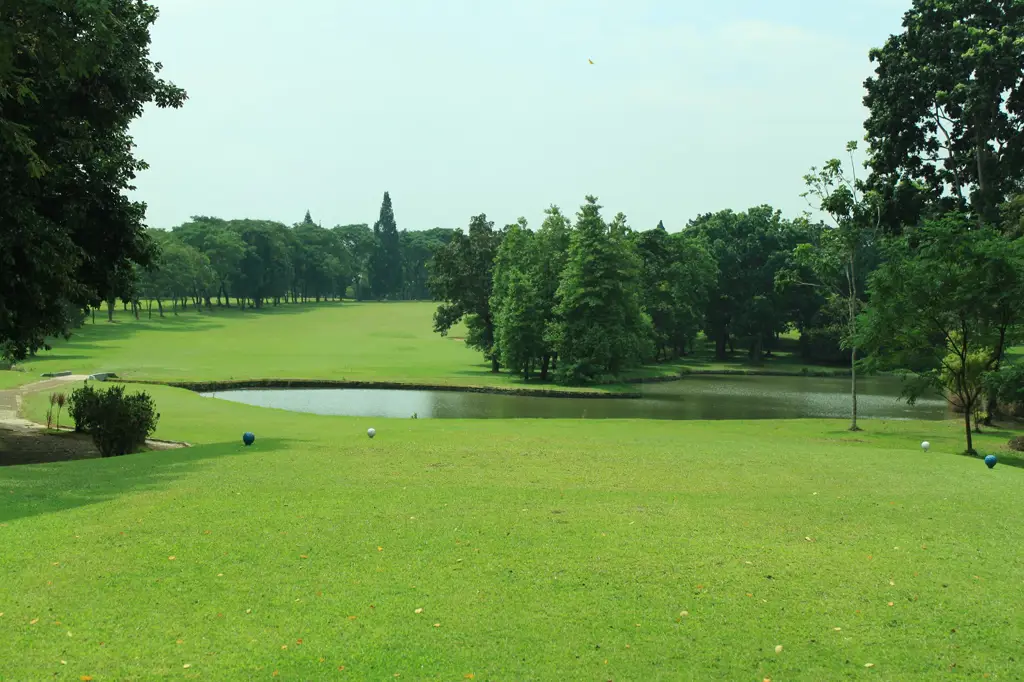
<point>391,342</point>
<point>536,549</point>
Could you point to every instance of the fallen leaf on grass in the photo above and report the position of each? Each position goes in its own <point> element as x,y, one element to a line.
<point>890,603</point>
<point>778,649</point>
<point>869,665</point>
<point>891,582</point>
<point>86,678</point>
<point>420,610</point>
<point>298,641</point>
<point>749,594</point>
<point>870,557</point>
<point>33,621</point>
<point>220,575</point>
<point>322,659</point>
<point>380,549</point>
<point>837,629</point>
<point>284,646</point>
<point>187,665</point>
<point>341,667</point>
<point>468,676</point>
<point>351,617</point>
<point>303,556</point>
<point>437,625</point>
<point>248,610</point>
<point>63,662</point>
<point>684,614</point>
<point>808,538</point>
<point>206,532</point>
<point>181,641</point>
<point>275,673</point>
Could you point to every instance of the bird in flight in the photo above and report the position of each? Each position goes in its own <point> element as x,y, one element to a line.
<point>591,61</point>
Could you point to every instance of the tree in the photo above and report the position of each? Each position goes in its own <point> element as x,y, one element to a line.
<point>946,110</point>
<point>417,250</point>
<point>221,244</point>
<point>838,259</point>
<point>515,301</point>
<point>308,220</point>
<point>677,276</point>
<point>73,76</point>
<point>749,248</point>
<point>359,242</point>
<point>461,276</point>
<point>386,261</point>
<point>599,326</point>
<point>945,292</point>
<point>551,252</point>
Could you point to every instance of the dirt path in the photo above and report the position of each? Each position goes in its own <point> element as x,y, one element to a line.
<point>25,442</point>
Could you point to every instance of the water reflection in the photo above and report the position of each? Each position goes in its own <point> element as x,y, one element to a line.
<point>697,397</point>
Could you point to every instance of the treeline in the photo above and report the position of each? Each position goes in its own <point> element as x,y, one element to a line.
<point>584,301</point>
<point>210,261</point>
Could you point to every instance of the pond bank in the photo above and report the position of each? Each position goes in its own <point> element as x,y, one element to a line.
<point>598,391</point>
<point>218,386</point>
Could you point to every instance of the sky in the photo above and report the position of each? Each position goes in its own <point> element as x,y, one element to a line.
<point>461,107</point>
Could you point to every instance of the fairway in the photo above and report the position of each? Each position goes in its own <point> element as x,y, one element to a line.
<point>383,342</point>
<point>501,549</point>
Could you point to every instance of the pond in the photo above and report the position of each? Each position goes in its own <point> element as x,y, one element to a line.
<point>695,397</point>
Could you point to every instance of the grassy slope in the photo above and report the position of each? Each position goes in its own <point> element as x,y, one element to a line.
<point>543,549</point>
<point>381,342</point>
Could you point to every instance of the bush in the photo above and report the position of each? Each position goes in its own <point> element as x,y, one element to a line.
<point>119,424</point>
<point>1017,443</point>
<point>83,406</point>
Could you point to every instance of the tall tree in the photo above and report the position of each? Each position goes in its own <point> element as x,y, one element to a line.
<point>946,294</point>
<point>838,258</point>
<point>73,77</point>
<point>515,301</point>
<point>308,220</point>
<point>552,251</point>
<point>750,248</point>
<point>599,326</point>
<point>462,278</point>
<point>386,262</point>
<point>358,240</point>
<point>947,110</point>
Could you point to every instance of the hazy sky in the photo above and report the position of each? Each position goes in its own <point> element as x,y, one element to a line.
<point>458,107</point>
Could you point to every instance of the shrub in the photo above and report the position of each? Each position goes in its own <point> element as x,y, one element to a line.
<point>83,406</point>
<point>119,424</point>
<point>1007,386</point>
<point>1017,443</point>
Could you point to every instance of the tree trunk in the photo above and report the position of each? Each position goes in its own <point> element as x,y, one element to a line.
<point>853,389</point>
<point>149,308</point>
<point>544,367</point>
<point>967,429</point>
<point>174,304</point>
<point>720,342</point>
<point>94,316</point>
<point>495,365</point>
<point>135,308</point>
<point>110,310</point>
<point>160,306</point>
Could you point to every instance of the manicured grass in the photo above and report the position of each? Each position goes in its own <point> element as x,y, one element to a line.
<point>540,549</point>
<point>543,549</point>
<point>392,342</point>
<point>389,342</point>
<point>12,379</point>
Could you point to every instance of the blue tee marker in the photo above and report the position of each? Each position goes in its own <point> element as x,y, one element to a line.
<point>990,460</point>
<point>248,438</point>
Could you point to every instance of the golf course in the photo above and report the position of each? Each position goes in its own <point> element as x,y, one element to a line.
<point>489,549</point>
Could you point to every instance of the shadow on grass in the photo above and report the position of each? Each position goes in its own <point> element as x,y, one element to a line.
<point>34,489</point>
